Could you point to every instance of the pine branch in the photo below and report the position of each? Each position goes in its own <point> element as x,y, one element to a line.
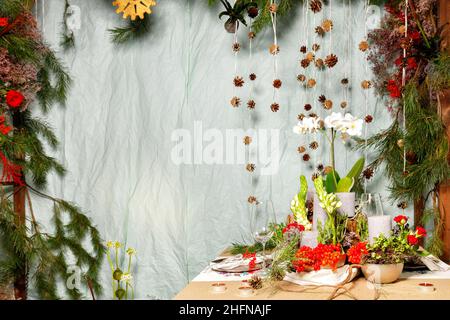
<point>132,31</point>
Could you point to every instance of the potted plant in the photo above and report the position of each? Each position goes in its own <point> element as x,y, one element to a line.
<point>382,261</point>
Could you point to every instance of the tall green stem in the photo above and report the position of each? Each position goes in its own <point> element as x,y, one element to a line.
<point>333,163</point>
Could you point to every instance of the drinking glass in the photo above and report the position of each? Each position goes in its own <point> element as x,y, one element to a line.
<point>262,223</point>
<point>370,204</point>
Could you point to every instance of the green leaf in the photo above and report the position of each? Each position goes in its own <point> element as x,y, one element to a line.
<point>345,184</point>
<point>357,168</point>
<point>303,188</point>
<point>330,182</point>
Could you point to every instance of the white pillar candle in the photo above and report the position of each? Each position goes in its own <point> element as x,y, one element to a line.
<point>309,238</point>
<point>379,225</point>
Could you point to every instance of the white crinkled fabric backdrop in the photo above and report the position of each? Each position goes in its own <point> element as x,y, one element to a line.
<point>126,101</point>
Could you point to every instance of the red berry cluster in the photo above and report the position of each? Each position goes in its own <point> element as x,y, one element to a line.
<point>294,225</point>
<point>356,252</point>
<point>324,255</point>
<point>252,257</point>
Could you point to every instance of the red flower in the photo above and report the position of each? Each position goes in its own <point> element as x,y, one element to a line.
<point>393,89</point>
<point>411,63</point>
<point>401,219</point>
<point>4,22</point>
<point>421,232</point>
<point>14,98</point>
<point>412,240</point>
<point>293,225</point>
<point>356,252</point>
<point>5,129</point>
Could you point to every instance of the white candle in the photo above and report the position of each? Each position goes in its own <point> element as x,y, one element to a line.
<point>219,287</point>
<point>245,291</point>
<point>309,238</point>
<point>379,225</point>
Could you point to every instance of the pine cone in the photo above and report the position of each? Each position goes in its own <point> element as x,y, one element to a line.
<point>328,104</point>
<point>315,47</point>
<point>273,8</point>
<point>311,83</point>
<point>368,173</point>
<point>327,25</point>
<point>303,49</point>
<point>251,104</point>
<point>320,167</point>
<point>344,104</point>
<point>300,117</point>
<point>306,157</point>
<point>301,149</point>
<point>252,77</point>
<point>301,77</point>
<point>331,60</point>
<point>368,118</point>
<point>315,5</point>
<point>247,140</point>
<point>310,56</point>
<point>322,98</point>
<point>314,145</point>
<point>305,63</point>
<point>277,83</point>
<point>402,205</point>
<point>251,35</point>
<point>320,31</point>
<point>238,81</point>
<point>411,157</point>
<point>235,102</point>
<point>363,46</point>
<point>250,167</point>
<point>366,84</point>
<point>255,282</point>
<point>307,107</point>
<point>274,107</point>
<point>344,81</point>
<point>274,49</point>
<point>319,63</point>
<point>252,199</point>
<point>236,47</point>
<point>253,12</point>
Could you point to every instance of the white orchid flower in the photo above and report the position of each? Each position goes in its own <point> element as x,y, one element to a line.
<point>334,121</point>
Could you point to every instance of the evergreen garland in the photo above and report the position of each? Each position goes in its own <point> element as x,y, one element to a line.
<point>42,253</point>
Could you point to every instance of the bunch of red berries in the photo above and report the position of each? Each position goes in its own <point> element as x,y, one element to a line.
<point>324,255</point>
<point>357,252</point>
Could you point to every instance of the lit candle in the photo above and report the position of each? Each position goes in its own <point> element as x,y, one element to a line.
<point>219,287</point>
<point>426,287</point>
<point>245,291</point>
<point>379,225</point>
<point>309,238</point>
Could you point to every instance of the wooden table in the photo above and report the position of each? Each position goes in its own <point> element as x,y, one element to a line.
<point>403,289</point>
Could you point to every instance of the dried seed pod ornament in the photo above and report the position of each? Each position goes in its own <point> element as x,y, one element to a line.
<point>315,47</point>
<point>301,77</point>
<point>235,102</point>
<point>247,140</point>
<point>331,60</point>
<point>311,83</point>
<point>363,46</point>
<point>238,81</point>
<point>274,49</point>
<point>274,107</point>
<point>305,63</point>
<point>236,47</point>
<point>366,84</point>
<point>277,83</point>
<point>327,25</point>
<point>301,149</point>
<point>315,5</point>
<point>307,107</point>
<point>320,31</point>
<point>252,76</point>
<point>251,104</point>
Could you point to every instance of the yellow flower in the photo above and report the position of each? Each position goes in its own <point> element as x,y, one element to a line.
<point>131,251</point>
<point>117,245</point>
<point>110,244</point>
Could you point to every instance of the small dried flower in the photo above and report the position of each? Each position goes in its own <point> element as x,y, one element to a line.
<point>238,81</point>
<point>252,76</point>
<point>301,77</point>
<point>235,102</point>
<point>368,118</point>
<point>314,145</point>
<point>307,107</point>
<point>251,104</point>
<point>274,49</point>
<point>277,83</point>
<point>274,107</point>
<point>247,140</point>
<point>306,157</point>
<point>250,167</point>
<point>236,47</point>
<point>301,149</point>
<point>319,63</point>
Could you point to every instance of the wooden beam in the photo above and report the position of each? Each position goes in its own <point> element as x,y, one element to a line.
<point>444,97</point>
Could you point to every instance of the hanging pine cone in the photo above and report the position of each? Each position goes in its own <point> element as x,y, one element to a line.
<point>344,81</point>
<point>255,282</point>
<point>250,167</point>
<point>274,107</point>
<point>328,104</point>
<point>319,63</point>
<point>301,149</point>
<point>235,102</point>
<point>251,104</point>
<point>252,200</point>
<point>305,63</point>
<point>253,12</point>
<point>310,56</point>
<point>368,173</point>
<point>331,60</point>
<point>363,46</point>
<point>236,47</point>
<point>327,25</point>
<point>307,107</point>
<point>320,167</point>
<point>277,83</point>
<point>311,83</point>
<point>238,81</point>
<point>306,157</point>
<point>322,98</point>
<point>344,104</point>
<point>300,117</point>
<point>247,140</point>
<point>251,35</point>
<point>314,145</point>
<point>320,31</point>
<point>315,47</point>
<point>252,76</point>
<point>411,157</point>
<point>368,118</point>
<point>366,84</point>
<point>274,49</point>
<point>402,205</point>
<point>301,77</point>
<point>315,5</point>
<point>303,49</point>
<point>273,8</point>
